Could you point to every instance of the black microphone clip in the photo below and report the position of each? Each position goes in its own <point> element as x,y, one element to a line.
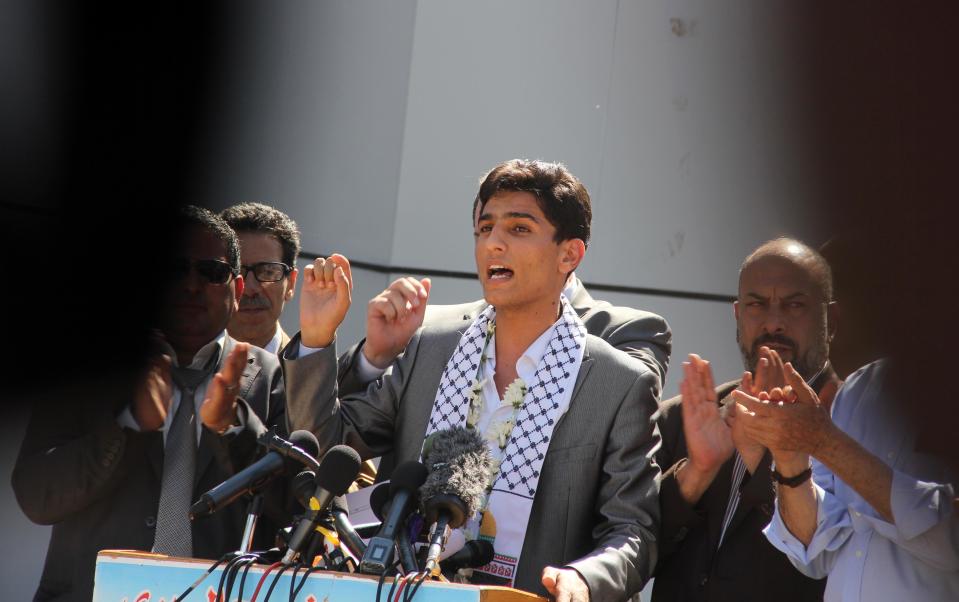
<point>273,442</point>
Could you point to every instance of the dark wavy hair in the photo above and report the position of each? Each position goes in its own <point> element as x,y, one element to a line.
<point>257,217</point>
<point>561,196</point>
<point>191,215</point>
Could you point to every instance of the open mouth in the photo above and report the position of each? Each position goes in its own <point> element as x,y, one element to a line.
<point>499,272</point>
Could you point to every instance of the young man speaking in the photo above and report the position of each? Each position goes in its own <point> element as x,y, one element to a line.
<point>573,505</point>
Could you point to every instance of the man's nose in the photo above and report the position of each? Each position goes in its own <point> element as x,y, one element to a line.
<point>495,240</point>
<point>774,321</point>
<point>252,286</point>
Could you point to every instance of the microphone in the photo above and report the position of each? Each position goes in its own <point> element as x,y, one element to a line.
<point>344,528</point>
<point>289,449</point>
<point>252,477</point>
<point>302,487</point>
<point>474,554</point>
<point>339,467</point>
<point>405,481</point>
<point>459,462</point>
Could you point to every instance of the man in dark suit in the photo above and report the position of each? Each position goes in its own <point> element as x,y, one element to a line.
<point>121,473</point>
<point>716,491</point>
<point>584,496</point>
<point>269,247</point>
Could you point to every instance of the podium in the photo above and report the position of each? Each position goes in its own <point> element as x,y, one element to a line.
<point>125,576</point>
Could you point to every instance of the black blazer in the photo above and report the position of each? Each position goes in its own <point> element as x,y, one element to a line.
<point>746,567</point>
<point>99,484</point>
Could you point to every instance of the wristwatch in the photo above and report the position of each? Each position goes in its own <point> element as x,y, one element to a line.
<point>795,481</point>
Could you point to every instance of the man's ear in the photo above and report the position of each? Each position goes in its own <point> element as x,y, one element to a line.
<point>736,310</point>
<point>291,285</point>
<point>238,285</point>
<point>832,319</point>
<point>572,252</point>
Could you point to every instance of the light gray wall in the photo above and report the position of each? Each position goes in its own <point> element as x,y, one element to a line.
<point>684,120</point>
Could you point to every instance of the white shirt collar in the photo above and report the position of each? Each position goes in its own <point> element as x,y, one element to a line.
<point>274,345</point>
<point>570,289</point>
<point>210,350</point>
<point>527,363</point>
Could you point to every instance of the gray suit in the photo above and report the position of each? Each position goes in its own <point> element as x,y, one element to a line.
<point>596,508</point>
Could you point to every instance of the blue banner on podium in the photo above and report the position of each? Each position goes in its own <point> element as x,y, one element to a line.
<point>123,576</point>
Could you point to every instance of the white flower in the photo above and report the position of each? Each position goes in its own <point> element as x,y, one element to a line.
<point>476,403</point>
<point>500,432</point>
<point>515,393</point>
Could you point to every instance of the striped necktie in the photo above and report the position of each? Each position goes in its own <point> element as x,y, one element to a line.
<point>174,535</point>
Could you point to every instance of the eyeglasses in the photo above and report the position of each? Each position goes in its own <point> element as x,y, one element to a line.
<point>214,271</point>
<point>267,271</point>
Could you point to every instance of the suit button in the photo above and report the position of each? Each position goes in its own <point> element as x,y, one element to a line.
<point>106,462</point>
<point>680,534</point>
<point>703,579</point>
<point>150,522</point>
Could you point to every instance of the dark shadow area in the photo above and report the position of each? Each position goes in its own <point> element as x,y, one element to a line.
<point>883,100</point>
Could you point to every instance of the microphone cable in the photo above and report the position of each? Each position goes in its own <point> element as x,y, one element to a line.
<point>276,579</point>
<point>229,575</point>
<point>299,587</point>
<point>246,571</point>
<point>262,580</point>
<point>296,570</point>
<point>382,580</point>
<point>208,572</point>
<point>416,587</point>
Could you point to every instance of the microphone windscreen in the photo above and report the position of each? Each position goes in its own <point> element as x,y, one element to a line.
<point>474,554</point>
<point>378,499</point>
<point>306,441</point>
<point>339,467</point>
<point>408,476</point>
<point>459,461</point>
<point>303,486</point>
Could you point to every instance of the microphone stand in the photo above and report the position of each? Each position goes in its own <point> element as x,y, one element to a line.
<point>253,511</point>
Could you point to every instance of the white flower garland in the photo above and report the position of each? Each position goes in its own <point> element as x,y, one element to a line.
<point>498,432</point>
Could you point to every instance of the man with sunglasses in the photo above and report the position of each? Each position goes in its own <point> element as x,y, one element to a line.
<point>121,472</point>
<point>269,247</point>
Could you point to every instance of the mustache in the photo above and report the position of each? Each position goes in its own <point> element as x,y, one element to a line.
<point>774,339</point>
<point>255,302</point>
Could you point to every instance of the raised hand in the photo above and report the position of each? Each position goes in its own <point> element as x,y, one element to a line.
<point>708,437</point>
<point>218,411</point>
<point>151,402</point>
<point>392,317</point>
<point>324,299</point>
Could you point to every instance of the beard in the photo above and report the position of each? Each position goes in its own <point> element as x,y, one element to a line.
<point>806,361</point>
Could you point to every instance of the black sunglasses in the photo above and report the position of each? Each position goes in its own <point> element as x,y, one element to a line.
<point>214,271</point>
<point>266,271</point>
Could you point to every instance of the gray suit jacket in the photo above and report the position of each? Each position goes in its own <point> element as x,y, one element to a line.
<point>641,334</point>
<point>596,508</point>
